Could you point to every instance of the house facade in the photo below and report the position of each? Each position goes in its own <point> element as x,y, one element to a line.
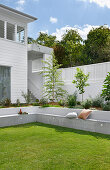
<point>13,53</point>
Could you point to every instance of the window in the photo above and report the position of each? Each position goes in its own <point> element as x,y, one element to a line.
<point>10,32</point>
<point>20,34</point>
<point>4,82</point>
<point>37,65</point>
<point>13,32</point>
<point>1,29</point>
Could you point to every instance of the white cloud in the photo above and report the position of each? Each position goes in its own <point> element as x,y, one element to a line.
<point>101,3</point>
<point>21,2</point>
<point>44,31</point>
<point>53,20</point>
<point>83,31</point>
<point>20,5</point>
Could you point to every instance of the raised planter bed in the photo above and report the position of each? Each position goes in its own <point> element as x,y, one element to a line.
<point>98,121</point>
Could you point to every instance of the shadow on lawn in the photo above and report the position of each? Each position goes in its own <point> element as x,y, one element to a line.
<point>62,129</point>
<point>81,132</point>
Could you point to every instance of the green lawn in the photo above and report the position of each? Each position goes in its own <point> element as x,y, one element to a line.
<point>38,146</point>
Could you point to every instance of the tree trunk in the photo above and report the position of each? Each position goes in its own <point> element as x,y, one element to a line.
<point>82,97</point>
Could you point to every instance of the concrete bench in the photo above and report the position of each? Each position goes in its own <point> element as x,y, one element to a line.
<point>75,123</point>
<point>98,121</point>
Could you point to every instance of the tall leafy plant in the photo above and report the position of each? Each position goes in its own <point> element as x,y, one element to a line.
<point>53,84</point>
<point>106,88</point>
<point>81,81</point>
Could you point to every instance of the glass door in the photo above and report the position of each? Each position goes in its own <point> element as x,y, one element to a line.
<point>4,82</point>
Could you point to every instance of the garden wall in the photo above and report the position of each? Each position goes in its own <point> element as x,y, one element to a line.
<point>98,121</point>
<point>97,72</point>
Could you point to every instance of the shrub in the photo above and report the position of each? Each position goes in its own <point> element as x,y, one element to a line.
<point>43,101</point>
<point>106,106</point>
<point>6,102</point>
<point>27,97</point>
<point>18,102</point>
<point>106,88</point>
<point>78,103</point>
<point>37,101</point>
<point>35,104</point>
<point>62,103</point>
<point>71,100</point>
<point>97,101</point>
<point>87,104</point>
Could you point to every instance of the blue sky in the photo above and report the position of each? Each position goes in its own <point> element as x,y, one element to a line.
<point>56,16</point>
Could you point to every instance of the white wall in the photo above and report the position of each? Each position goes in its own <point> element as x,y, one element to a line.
<point>37,64</point>
<point>15,55</point>
<point>97,72</point>
<point>35,79</point>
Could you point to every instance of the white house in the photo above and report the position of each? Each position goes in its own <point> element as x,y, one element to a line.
<point>14,54</point>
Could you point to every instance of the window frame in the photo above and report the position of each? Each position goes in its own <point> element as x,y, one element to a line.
<point>15,32</point>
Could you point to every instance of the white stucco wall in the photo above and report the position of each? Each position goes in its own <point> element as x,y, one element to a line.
<point>14,55</point>
<point>97,72</point>
<point>35,79</point>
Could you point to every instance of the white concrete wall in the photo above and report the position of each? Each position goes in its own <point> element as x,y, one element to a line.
<point>14,55</point>
<point>35,79</point>
<point>97,72</point>
<point>37,64</point>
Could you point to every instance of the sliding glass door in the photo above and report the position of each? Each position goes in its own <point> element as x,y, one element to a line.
<point>4,82</point>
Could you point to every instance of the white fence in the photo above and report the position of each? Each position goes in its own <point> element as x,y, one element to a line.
<point>97,72</point>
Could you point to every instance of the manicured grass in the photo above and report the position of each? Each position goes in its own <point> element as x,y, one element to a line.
<point>38,146</point>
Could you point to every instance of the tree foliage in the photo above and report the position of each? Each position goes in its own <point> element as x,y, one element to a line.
<point>73,51</point>
<point>59,52</point>
<point>53,84</point>
<point>71,42</point>
<point>46,40</point>
<point>30,40</point>
<point>97,45</point>
<point>81,81</point>
<point>106,88</point>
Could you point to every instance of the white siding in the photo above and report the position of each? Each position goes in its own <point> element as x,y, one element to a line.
<point>15,55</point>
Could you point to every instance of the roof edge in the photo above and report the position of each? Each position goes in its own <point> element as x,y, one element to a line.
<point>18,12</point>
<point>39,48</point>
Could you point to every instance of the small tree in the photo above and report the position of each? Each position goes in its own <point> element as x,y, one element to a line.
<point>81,81</point>
<point>53,84</point>
<point>106,88</point>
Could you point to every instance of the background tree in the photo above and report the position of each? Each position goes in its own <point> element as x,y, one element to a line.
<point>97,45</point>
<point>59,52</point>
<point>46,40</point>
<point>53,84</point>
<point>71,41</point>
<point>106,88</point>
<point>73,51</point>
<point>30,40</point>
<point>68,50</point>
<point>81,81</point>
